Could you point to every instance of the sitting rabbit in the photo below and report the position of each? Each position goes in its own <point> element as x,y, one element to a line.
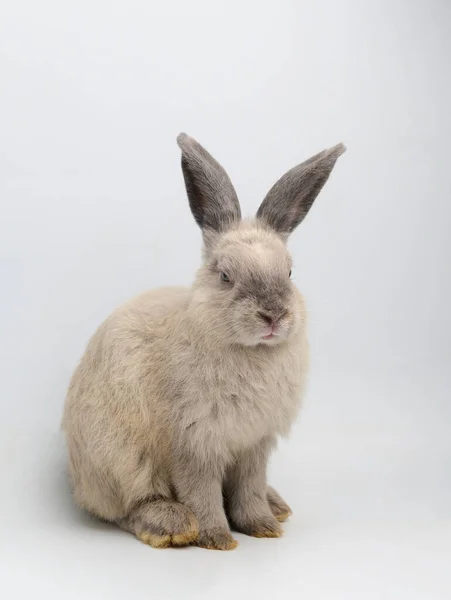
<point>181,394</point>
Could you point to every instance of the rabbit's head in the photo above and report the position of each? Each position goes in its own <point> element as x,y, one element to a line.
<point>243,291</point>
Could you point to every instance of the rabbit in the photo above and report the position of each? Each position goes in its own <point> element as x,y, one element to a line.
<point>182,393</point>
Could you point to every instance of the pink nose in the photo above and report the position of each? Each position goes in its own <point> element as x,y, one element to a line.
<point>272,324</point>
<point>271,321</point>
<point>267,319</point>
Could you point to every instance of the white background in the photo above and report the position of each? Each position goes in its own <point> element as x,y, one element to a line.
<point>93,211</point>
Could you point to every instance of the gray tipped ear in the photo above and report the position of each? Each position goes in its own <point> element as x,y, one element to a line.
<point>289,200</point>
<point>211,195</point>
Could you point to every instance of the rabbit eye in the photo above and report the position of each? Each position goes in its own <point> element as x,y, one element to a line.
<point>225,277</point>
<point>289,274</point>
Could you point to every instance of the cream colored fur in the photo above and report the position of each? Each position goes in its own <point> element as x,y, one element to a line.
<point>178,399</point>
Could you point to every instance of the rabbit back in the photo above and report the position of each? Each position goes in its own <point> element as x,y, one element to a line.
<point>116,416</point>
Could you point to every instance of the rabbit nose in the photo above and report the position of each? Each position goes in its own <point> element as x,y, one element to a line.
<point>266,318</point>
<point>271,320</point>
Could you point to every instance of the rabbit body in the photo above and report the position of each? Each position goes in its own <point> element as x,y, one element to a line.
<point>149,381</point>
<point>181,394</point>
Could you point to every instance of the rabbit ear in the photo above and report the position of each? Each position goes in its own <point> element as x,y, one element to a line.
<point>289,200</point>
<point>211,195</point>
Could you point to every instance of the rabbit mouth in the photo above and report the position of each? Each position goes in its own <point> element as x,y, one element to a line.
<point>272,331</point>
<point>269,336</point>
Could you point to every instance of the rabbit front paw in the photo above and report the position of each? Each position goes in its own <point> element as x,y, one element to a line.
<point>278,506</point>
<point>216,539</point>
<point>260,526</point>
